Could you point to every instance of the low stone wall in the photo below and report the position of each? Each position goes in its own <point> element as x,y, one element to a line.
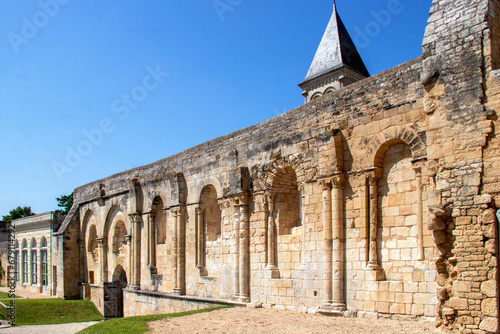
<point>146,303</point>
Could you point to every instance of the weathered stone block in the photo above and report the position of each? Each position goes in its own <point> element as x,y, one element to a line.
<point>457,304</point>
<point>489,288</point>
<point>489,307</point>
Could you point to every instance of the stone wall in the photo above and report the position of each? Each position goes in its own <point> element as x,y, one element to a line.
<point>379,199</point>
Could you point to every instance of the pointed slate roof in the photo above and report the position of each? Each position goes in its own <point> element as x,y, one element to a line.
<point>335,51</point>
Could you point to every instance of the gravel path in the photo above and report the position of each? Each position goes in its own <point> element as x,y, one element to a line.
<point>47,329</point>
<point>244,320</point>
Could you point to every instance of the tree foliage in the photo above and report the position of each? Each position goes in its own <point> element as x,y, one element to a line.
<point>19,212</point>
<point>65,202</point>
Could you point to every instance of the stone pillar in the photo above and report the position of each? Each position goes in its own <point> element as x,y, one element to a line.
<point>420,223</point>
<point>244,249</point>
<point>327,231</point>
<point>179,287</point>
<point>151,243</point>
<point>102,243</point>
<point>338,241</point>
<point>200,240</point>
<point>135,251</point>
<point>236,245</point>
<point>39,266</point>
<point>271,237</point>
<point>373,263</point>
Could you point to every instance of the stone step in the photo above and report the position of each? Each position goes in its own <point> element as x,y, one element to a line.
<point>5,324</point>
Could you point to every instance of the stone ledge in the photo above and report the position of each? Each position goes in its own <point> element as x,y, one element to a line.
<point>188,298</point>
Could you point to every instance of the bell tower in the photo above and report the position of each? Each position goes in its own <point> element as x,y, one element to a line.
<point>336,64</point>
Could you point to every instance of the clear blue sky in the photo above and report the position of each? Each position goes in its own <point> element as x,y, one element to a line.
<point>67,70</point>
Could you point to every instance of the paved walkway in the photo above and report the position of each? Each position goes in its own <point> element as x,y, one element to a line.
<point>47,329</point>
<point>27,294</point>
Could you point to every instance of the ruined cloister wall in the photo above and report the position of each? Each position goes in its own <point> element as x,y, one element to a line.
<point>379,199</point>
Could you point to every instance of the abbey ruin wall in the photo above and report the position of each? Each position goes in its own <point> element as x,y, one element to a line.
<point>376,200</point>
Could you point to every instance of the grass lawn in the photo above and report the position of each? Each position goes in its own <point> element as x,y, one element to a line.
<point>53,311</point>
<point>137,325</point>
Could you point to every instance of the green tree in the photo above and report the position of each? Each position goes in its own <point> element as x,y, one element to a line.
<point>18,213</point>
<point>65,202</point>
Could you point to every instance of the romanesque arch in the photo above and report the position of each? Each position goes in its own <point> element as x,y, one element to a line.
<point>158,247</point>
<point>210,230</point>
<point>116,236</point>
<point>92,254</point>
<point>284,181</point>
<point>398,210</point>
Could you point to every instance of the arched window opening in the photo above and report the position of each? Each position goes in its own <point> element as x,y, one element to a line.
<point>287,209</point>
<point>16,255</point>
<point>316,96</point>
<point>34,266</point>
<point>397,236</point>
<point>119,238</point>
<point>160,222</point>
<point>45,264</point>
<point>25,261</point>
<point>92,243</point>
<point>209,227</point>
<point>209,202</point>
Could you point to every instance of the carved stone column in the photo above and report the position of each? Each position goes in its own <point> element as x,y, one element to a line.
<point>152,243</point>
<point>420,223</point>
<point>338,243</point>
<point>236,246</point>
<point>271,237</point>
<point>244,249</point>
<point>179,287</point>
<point>373,263</point>
<point>200,240</point>
<point>102,243</point>
<point>135,250</point>
<point>327,231</point>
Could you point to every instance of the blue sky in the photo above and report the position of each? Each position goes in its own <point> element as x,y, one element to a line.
<point>92,88</point>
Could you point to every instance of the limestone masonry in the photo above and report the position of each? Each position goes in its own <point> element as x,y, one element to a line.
<point>377,198</point>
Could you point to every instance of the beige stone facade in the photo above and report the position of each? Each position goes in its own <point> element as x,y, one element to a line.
<point>379,199</point>
<point>35,254</point>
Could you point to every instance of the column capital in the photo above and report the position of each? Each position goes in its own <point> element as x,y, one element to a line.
<point>241,200</point>
<point>101,242</point>
<point>374,175</point>
<point>134,217</point>
<point>338,181</point>
<point>200,210</point>
<point>326,184</point>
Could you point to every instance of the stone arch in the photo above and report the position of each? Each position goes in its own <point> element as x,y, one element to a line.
<point>207,181</point>
<point>393,135</point>
<point>119,275</point>
<point>119,238</point>
<point>398,210</point>
<point>90,235</point>
<point>316,95</point>
<point>287,200</point>
<point>92,243</point>
<point>292,162</point>
<point>113,212</point>
<point>119,278</point>
<point>116,237</point>
<point>329,90</point>
<point>284,184</point>
<point>159,220</point>
<point>209,232</point>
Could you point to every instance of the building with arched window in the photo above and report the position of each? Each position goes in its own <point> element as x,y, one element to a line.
<point>35,252</point>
